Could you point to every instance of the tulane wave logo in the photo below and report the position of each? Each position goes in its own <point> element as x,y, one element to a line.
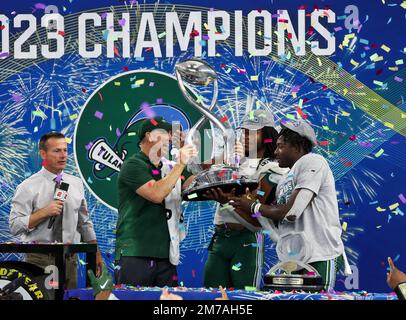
<point>106,131</point>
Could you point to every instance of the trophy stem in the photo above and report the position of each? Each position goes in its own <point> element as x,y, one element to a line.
<point>228,134</point>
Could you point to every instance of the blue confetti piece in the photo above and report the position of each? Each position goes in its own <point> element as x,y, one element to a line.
<point>260,193</point>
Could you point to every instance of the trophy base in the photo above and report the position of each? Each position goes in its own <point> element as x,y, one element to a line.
<point>308,283</point>
<point>196,194</point>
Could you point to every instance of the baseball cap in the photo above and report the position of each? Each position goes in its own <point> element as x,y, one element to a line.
<point>149,125</point>
<point>257,119</point>
<point>302,128</point>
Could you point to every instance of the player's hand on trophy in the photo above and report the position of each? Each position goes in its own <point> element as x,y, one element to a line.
<point>54,208</point>
<point>243,203</point>
<point>218,195</point>
<point>186,153</point>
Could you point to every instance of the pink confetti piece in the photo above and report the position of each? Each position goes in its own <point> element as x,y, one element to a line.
<point>155,172</point>
<point>398,79</point>
<point>402,198</point>
<point>118,133</point>
<point>98,115</point>
<point>268,141</point>
<point>40,6</point>
<point>159,101</point>
<point>295,89</point>
<point>17,98</point>
<point>147,110</point>
<point>89,146</point>
<point>122,22</point>
<point>365,144</point>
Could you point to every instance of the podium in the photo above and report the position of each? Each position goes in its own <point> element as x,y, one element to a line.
<point>58,250</point>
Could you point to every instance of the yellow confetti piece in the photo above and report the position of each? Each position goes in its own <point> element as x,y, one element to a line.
<point>379,153</point>
<point>389,125</point>
<point>403,115</point>
<point>336,119</point>
<point>294,95</point>
<point>344,226</point>
<point>319,61</point>
<point>385,48</point>
<point>345,114</point>
<point>354,63</point>
<point>326,128</point>
<point>117,84</point>
<point>251,115</point>
<point>279,80</point>
<point>378,83</point>
<point>254,78</point>
<point>161,35</point>
<point>394,206</point>
<point>140,82</point>
<point>259,33</point>
<point>375,57</point>
<point>68,140</point>
<point>399,62</point>
<point>379,209</point>
<point>73,116</point>
<point>300,103</point>
<point>126,107</point>
<point>237,89</point>
<point>206,26</point>
<point>393,68</point>
<point>345,91</point>
<point>403,4</point>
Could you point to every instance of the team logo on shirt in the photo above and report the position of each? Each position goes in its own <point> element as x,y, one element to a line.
<point>106,130</point>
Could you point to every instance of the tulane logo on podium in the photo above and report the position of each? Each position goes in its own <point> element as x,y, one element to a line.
<point>106,131</point>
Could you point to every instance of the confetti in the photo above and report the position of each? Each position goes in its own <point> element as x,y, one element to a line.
<point>379,209</point>
<point>192,196</point>
<point>126,107</point>
<point>118,133</point>
<point>98,115</point>
<point>344,226</point>
<point>402,198</point>
<point>155,172</point>
<point>237,267</point>
<point>268,141</point>
<point>393,206</point>
<point>379,153</point>
<point>254,78</point>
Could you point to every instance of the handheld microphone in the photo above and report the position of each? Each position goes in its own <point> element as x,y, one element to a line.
<point>61,192</point>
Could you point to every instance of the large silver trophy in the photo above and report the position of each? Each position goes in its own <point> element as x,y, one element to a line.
<point>196,72</point>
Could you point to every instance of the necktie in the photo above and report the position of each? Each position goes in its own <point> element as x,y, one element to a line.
<point>57,227</point>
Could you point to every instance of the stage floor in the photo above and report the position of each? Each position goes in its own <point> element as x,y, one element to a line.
<point>205,294</point>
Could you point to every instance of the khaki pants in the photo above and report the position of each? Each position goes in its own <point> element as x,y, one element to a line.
<point>44,260</point>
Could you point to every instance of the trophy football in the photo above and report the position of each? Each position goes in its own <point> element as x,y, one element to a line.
<point>196,72</point>
<point>292,272</point>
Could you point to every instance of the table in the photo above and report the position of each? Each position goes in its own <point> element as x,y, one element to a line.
<point>59,250</point>
<point>153,293</point>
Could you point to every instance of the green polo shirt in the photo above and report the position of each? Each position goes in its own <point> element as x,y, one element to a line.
<point>142,228</point>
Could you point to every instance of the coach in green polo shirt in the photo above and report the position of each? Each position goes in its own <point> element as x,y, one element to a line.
<point>143,240</point>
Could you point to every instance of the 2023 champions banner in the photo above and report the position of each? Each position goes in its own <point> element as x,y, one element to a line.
<point>94,70</point>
